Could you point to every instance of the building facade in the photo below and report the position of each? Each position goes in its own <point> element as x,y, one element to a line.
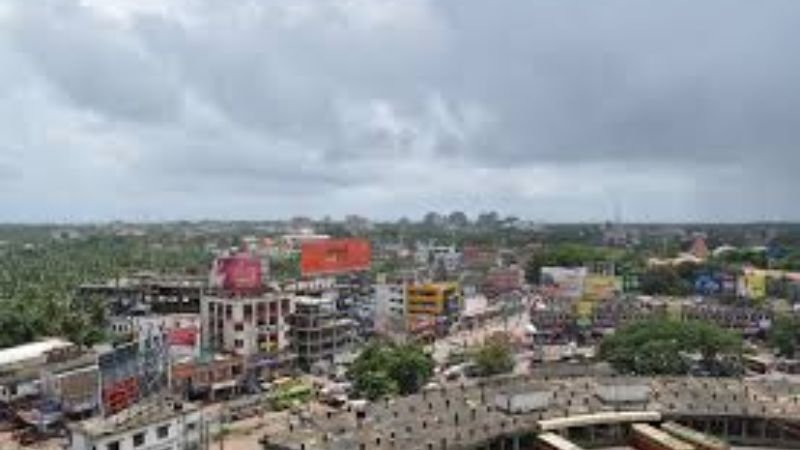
<point>168,426</point>
<point>389,302</point>
<point>319,331</point>
<point>246,326</point>
<point>442,300</point>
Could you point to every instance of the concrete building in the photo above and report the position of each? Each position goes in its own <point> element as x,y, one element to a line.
<point>246,326</point>
<point>442,300</point>
<point>319,331</point>
<point>389,303</point>
<point>501,280</point>
<point>156,426</point>
<point>181,332</point>
<point>212,378</point>
<point>147,293</point>
<point>50,370</point>
<point>434,255</point>
<point>21,367</point>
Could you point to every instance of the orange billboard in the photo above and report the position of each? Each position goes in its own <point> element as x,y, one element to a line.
<point>334,256</point>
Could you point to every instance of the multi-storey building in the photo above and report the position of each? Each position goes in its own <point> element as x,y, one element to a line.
<point>147,293</point>
<point>246,325</point>
<point>442,300</point>
<point>319,331</point>
<point>389,303</point>
<point>52,370</point>
<point>211,378</point>
<point>501,280</point>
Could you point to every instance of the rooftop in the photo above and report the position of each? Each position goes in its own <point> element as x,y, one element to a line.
<point>15,355</point>
<point>137,417</point>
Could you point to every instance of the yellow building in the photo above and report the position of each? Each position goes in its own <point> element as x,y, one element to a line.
<point>433,299</point>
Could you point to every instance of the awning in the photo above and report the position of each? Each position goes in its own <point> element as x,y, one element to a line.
<point>223,385</point>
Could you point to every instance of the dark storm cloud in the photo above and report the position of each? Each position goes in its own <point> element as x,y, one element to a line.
<point>559,105</point>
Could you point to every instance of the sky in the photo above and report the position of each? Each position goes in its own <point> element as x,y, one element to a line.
<point>550,110</point>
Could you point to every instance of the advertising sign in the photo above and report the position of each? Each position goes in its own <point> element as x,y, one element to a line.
<point>334,256</point>
<point>753,284</point>
<point>707,285</point>
<point>599,288</point>
<point>566,282</point>
<point>584,309</point>
<point>182,337</point>
<point>239,273</point>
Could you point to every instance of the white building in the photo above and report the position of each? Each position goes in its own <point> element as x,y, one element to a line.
<point>53,366</point>
<point>432,255</point>
<point>157,426</point>
<point>389,308</point>
<point>26,355</point>
<point>181,332</point>
<point>246,326</point>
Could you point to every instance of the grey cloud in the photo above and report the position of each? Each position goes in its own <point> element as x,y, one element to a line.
<point>95,65</point>
<point>293,98</point>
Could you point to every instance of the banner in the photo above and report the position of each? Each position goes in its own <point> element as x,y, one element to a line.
<point>335,256</point>
<point>566,282</point>
<point>600,287</point>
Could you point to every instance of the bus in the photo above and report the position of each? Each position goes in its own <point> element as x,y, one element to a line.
<point>552,441</point>
<point>700,440</point>
<point>646,437</point>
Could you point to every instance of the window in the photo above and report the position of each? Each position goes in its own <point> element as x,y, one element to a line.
<point>238,343</point>
<point>191,426</point>
<point>238,326</point>
<point>162,431</point>
<point>138,439</point>
<point>112,445</point>
<point>248,312</point>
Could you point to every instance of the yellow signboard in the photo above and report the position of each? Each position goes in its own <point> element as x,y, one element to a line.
<point>599,288</point>
<point>584,309</point>
<point>755,284</point>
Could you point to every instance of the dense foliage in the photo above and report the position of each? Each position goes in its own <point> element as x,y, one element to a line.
<point>575,255</point>
<point>388,369</point>
<point>38,281</point>
<point>784,336</point>
<point>669,347</point>
<point>494,357</point>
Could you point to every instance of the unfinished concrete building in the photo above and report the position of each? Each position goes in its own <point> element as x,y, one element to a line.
<point>318,331</point>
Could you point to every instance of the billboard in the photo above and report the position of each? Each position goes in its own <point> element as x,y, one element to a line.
<point>706,284</point>
<point>334,256</point>
<point>753,284</point>
<point>182,337</point>
<point>600,287</point>
<point>239,273</point>
<point>565,282</point>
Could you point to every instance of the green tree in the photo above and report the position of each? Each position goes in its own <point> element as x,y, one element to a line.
<point>669,347</point>
<point>410,368</point>
<point>566,255</point>
<point>664,280</point>
<point>458,219</point>
<point>494,357</point>
<point>784,336</point>
<point>385,369</point>
<point>374,385</point>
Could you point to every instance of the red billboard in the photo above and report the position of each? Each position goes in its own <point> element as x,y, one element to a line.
<point>120,395</point>
<point>335,256</point>
<point>182,337</point>
<point>240,273</point>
